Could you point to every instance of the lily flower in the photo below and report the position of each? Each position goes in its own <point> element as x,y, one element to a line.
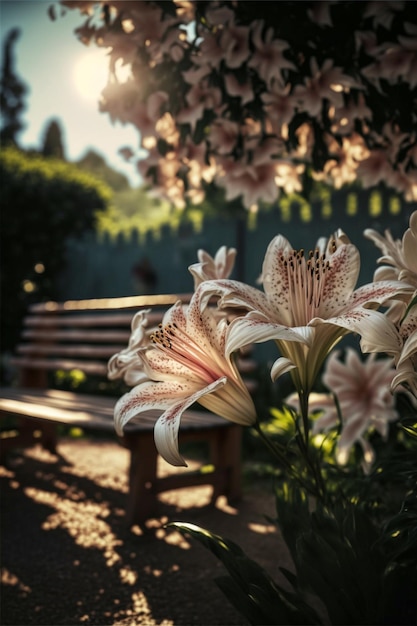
<point>209,268</point>
<point>185,363</point>
<point>399,261</point>
<point>362,389</point>
<point>126,363</point>
<point>399,257</point>
<point>309,303</point>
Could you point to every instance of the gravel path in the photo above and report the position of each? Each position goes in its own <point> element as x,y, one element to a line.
<point>68,558</point>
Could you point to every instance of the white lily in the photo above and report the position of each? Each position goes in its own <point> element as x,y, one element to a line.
<point>185,363</point>
<point>399,261</point>
<point>362,389</point>
<point>126,363</point>
<point>210,268</point>
<point>309,303</point>
<point>399,257</point>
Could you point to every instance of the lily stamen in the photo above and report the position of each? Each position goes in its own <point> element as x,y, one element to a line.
<point>306,281</point>
<point>175,342</point>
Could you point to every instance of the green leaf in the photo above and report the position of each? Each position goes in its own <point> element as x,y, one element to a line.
<point>250,588</point>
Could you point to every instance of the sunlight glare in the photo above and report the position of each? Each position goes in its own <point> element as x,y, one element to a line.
<point>91,73</point>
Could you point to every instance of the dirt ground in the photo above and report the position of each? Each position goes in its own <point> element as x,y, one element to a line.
<point>67,556</point>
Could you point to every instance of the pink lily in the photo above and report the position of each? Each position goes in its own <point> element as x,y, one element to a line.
<point>362,389</point>
<point>185,363</point>
<point>309,303</point>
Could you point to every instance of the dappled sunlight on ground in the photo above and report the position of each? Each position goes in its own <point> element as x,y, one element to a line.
<point>82,520</point>
<point>262,529</point>
<point>69,558</point>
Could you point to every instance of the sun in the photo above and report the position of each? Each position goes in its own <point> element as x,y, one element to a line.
<point>90,74</point>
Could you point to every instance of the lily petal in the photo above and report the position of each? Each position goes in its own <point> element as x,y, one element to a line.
<point>380,291</point>
<point>280,367</point>
<point>409,348</point>
<point>167,427</point>
<point>147,397</point>
<point>233,293</point>
<point>253,329</point>
<point>376,329</point>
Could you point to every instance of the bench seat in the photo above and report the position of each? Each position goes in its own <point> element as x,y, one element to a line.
<point>83,335</point>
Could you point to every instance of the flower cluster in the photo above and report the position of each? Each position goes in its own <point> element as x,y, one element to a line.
<point>350,550</point>
<point>255,95</point>
<point>308,304</point>
<point>180,363</point>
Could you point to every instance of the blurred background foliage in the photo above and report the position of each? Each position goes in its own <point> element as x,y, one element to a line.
<point>44,201</point>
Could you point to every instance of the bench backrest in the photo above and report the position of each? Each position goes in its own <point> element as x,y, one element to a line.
<point>83,335</point>
<point>80,334</point>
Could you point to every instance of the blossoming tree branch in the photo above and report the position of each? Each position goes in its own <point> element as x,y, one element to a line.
<point>256,97</point>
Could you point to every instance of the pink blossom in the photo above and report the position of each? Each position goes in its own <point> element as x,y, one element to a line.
<point>236,89</point>
<point>210,53</point>
<point>145,115</point>
<point>287,176</point>
<point>235,45</point>
<point>219,16</point>
<point>199,98</point>
<point>362,389</point>
<point>280,104</point>
<point>320,13</point>
<point>254,180</point>
<point>383,11</point>
<point>374,168</point>
<point>268,58</point>
<point>344,118</point>
<point>327,83</point>
<point>223,136</point>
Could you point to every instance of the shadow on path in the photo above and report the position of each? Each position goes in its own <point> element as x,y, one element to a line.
<point>67,556</point>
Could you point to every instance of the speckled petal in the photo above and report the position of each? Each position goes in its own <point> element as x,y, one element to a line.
<point>145,397</point>
<point>377,332</point>
<point>252,329</point>
<point>275,277</point>
<point>167,426</point>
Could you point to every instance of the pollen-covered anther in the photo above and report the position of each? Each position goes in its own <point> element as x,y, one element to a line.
<point>160,338</point>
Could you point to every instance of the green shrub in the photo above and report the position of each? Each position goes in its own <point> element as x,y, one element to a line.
<point>44,201</point>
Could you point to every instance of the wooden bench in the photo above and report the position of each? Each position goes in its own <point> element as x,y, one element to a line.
<point>82,336</point>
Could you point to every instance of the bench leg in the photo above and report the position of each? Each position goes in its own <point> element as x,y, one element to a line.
<point>49,436</point>
<point>29,434</point>
<point>226,458</point>
<point>142,500</point>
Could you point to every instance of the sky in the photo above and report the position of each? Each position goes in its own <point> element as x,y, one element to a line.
<point>64,79</point>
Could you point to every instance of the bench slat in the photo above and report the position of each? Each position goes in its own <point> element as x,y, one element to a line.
<point>98,336</point>
<point>118,319</point>
<point>89,367</point>
<point>70,350</point>
<point>85,410</point>
<point>103,304</point>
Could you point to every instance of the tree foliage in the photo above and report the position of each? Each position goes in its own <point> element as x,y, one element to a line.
<point>259,96</point>
<point>52,145</point>
<point>12,92</point>
<point>94,163</point>
<point>44,201</point>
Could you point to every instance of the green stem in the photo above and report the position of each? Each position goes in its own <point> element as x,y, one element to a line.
<point>279,453</point>
<point>303,441</point>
